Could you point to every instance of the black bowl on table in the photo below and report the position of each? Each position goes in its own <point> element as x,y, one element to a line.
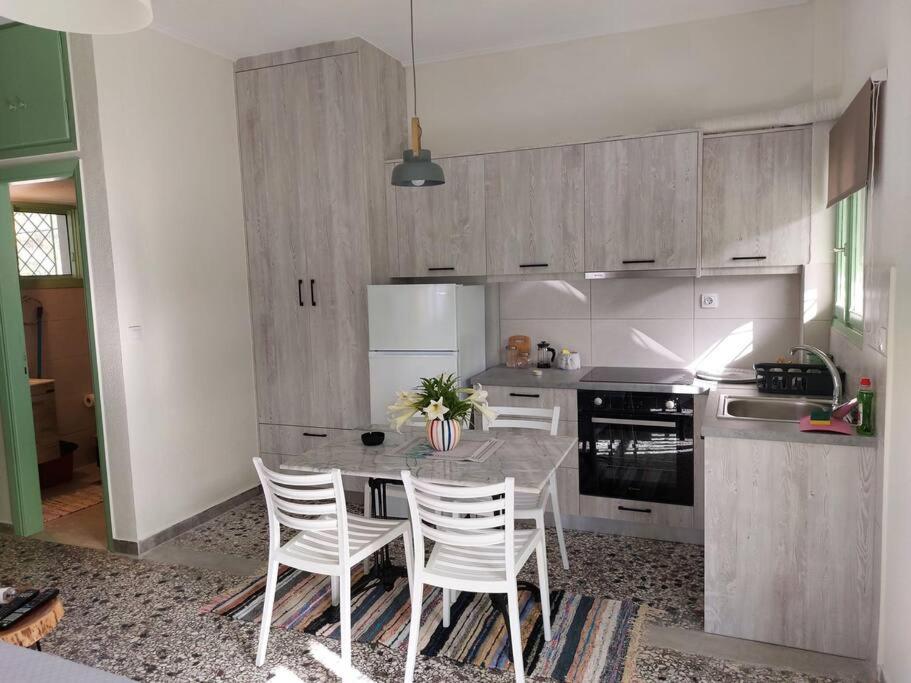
<point>372,438</point>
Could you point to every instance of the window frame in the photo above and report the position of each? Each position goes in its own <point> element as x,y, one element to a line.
<point>75,248</point>
<point>850,228</point>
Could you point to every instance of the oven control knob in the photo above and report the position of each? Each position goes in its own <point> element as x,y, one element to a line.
<point>598,401</point>
<point>670,405</point>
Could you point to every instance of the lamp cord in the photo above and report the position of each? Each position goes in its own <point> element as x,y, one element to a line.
<point>414,75</point>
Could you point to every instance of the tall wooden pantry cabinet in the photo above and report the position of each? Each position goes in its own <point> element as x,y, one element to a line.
<point>315,127</point>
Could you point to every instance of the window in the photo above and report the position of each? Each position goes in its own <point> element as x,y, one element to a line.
<point>46,242</point>
<point>850,221</point>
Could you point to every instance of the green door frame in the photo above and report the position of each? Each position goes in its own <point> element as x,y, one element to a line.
<point>15,395</point>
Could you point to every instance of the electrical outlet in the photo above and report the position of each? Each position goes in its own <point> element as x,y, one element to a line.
<point>708,300</point>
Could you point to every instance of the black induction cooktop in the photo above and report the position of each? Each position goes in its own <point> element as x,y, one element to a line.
<point>639,376</point>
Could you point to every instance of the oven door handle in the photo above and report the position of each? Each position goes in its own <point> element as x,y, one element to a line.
<point>634,423</point>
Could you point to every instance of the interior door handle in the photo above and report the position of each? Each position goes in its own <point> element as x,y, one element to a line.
<point>312,292</point>
<point>300,292</point>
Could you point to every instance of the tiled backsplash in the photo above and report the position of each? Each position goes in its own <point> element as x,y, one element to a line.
<point>657,322</point>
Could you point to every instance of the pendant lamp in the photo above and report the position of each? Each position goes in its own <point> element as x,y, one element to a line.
<point>416,169</point>
<point>80,16</point>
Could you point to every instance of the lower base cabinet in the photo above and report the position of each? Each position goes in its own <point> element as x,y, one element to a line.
<point>790,543</point>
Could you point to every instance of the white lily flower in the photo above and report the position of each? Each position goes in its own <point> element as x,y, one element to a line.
<point>436,410</point>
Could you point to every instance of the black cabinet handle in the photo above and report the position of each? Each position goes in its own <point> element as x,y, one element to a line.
<point>525,395</point>
<point>300,293</point>
<point>533,265</point>
<point>640,260</point>
<point>748,258</point>
<point>322,436</point>
<point>626,509</point>
<point>313,292</point>
<point>446,268</point>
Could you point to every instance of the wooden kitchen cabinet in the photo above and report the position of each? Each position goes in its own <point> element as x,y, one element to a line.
<point>641,203</point>
<point>534,211</point>
<point>36,114</point>
<point>756,199</point>
<point>790,542</point>
<point>315,125</point>
<point>441,230</point>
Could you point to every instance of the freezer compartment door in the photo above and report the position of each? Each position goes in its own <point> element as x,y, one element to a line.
<point>394,372</point>
<point>413,317</point>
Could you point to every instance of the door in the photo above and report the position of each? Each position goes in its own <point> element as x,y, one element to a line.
<point>641,203</point>
<point>392,372</point>
<point>413,317</point>
<point>441,229</point>
<point>534,211</point>
<point>756,199</point>
<point>333,222</point>
<point>273,172</point>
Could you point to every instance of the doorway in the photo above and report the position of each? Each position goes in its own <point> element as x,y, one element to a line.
<point>51,421</point>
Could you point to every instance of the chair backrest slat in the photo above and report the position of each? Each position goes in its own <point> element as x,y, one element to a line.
<point>442,514</point>
<point>509,417</point>
<point>306,502</point>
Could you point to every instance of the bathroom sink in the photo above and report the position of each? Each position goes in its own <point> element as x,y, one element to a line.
<point>770,409</point>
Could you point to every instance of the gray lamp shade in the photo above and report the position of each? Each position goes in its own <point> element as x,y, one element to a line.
<point>417,171</point>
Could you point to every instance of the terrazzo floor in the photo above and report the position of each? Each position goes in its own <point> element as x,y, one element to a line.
<point>140,618</point>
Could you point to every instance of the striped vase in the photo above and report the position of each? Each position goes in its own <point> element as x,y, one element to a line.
<point>443,435</point>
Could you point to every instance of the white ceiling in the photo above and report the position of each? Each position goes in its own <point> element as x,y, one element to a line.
<point>444,28</point>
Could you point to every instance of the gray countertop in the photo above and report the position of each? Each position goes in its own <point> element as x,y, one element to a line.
<point>764,430</point>
<point>712,425</point>
<point>501,376</point>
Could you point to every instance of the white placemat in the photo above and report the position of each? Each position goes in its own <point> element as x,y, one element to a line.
<point>466,451</point>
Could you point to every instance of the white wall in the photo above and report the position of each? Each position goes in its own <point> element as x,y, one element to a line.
<point>657,79</point>
<point>172,169</point>
<point>657,322</point>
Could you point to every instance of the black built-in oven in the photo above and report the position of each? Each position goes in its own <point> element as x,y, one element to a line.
<point>636,445</point>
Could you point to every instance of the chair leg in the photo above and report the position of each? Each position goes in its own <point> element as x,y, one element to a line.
<point>333,581</point>
<point>409,559</point>
<point>558,521</point>
<point>268,602</point>
<point>345,614</point>
<point>368,512</point>
<point>515,632</point>
<point>414,630</point>
<point>446,605</point>
<point>544,586</point>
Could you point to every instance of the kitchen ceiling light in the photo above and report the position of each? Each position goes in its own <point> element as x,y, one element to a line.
<point>416,169</point>
<point>80,16</point>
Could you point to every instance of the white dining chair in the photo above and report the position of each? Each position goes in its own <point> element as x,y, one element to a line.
<point>476,548</point>
<point>330,541</point>
<point>531,505</point>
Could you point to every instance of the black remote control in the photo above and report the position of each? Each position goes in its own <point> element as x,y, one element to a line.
<point>18,600</point>
<point>24,609</point>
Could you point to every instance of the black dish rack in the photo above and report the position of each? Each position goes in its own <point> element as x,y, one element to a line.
<point>804,379</point>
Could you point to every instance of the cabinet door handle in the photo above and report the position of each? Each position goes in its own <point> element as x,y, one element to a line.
<point>322,436</point>
<point>446,268</point>
<point>300,292</point>
<point>640,260</point>
<point>627,509</point>
<point>313,292</point>
<point>748,258</point>
<point>533,265</point>
<point>525,395</point>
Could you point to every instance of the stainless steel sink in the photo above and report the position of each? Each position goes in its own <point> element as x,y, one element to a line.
<point>770,409</point>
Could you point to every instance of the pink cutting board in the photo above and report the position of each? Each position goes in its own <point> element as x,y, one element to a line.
<point>837,427</point>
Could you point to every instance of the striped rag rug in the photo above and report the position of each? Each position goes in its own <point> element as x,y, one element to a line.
<point>594,639</point>
<point>54,507</point>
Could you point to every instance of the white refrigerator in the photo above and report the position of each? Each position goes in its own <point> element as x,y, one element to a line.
<point>421,331</point>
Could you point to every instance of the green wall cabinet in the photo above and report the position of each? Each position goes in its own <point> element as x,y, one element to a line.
<point>36,115</point>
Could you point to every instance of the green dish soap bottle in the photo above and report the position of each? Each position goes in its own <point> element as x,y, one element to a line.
<point>866,403</point>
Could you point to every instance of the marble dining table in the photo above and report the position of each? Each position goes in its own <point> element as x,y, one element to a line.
<point>528,458</point>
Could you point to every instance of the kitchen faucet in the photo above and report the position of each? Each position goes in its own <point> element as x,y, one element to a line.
<point>830,366</point>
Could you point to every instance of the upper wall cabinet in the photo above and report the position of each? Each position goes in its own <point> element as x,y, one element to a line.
<point>756,199</point>
<point>534,211</point>
<point>35,110</point>
<point>441,229</point>
<point>641,203</point>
